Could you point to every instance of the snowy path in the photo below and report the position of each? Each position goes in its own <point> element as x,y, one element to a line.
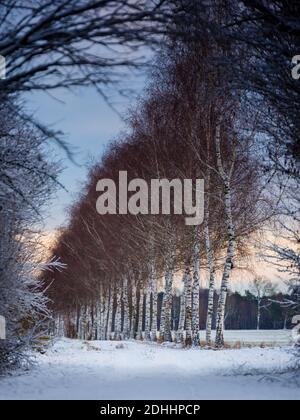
<point>73,369</point>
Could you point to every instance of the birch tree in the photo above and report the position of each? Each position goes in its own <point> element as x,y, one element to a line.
<point>226,177</point>
<point>140,314</point>
<point>148,309</point>
<point>261,288</point>
<point>165,320</point>
<point>211,266</point>
<point>126,320</point>
<point>196,286</point>
<point>118,314</point>
<point>134,311</point>
<point>181,324</point>
<point>110,315</point>
<point>154,302</point>
<point>188,307</point>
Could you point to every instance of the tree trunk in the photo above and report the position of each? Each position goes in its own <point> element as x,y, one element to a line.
<point>285,322</point>
<point>258,315</point>
<point>84,321</point>
<point>104,324</point>
<point>148,309</point>
<point>118,316</point>
<point>211,266</point>
<point>110,314</point>
<point>154,303</point>
<point>90,320</point>
<point>97,318</point>
<point>140,318</point>
<point>165,323</point>
<point>230,247</point>
<point>100,317</point>
<point>196,286</point>
<point>126,320</point>
<point>133,312</point>
<point>181,324</point>
<point>59,326</point>
<point>188,308</point>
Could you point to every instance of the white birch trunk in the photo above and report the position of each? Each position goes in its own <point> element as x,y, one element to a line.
<point>140,318</point>
<point>103,316</point>
<point>126,321</point>
<point>77,319</point>
<point>104,322</point>
<point>154,303</point>
<point>118,315</point>
<point>84,322</point>
<point>98,315</point>
<point>59,326</point>
<point>230,247</point>
<point>196,286</point>
<point>134,312</point>
<point>211,267</point>
<point>148,308</point>
<point>90,321</point>
<point>110,314</point>
<point>181,324</point>
<point>96,319</point>
<point>188,308</point>
<point>80,322</point>
<point>166,313</point>
<point>258,314</point>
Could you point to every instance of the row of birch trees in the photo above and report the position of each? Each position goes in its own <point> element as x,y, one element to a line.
<point>189,124</point>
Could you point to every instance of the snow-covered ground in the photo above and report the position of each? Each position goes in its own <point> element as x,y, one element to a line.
<point>73,369</point>
<point>246,338</point>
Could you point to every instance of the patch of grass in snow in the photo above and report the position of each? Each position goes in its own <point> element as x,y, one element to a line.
<point>91,347</point>
<point>120,346</point>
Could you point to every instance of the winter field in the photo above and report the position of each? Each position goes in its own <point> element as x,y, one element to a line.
<point>76,369</point>
<point>245,338</point>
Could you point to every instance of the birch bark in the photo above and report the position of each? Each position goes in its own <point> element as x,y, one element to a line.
<point>230,245</point>
<point>211,266</point>
<point>140,316</point>
<point>118,316</point>
<point>154,302</point>
<point>103,315</point>
<point>181,324</point>
<point>165,323</point>
<point>258,313</point>
<point>126,321</point>
<point>106,314</point>
<point>148,308</point>
<point>188,308</point>
<point>134,312</point>
<point>110,314</point>
<point>196,286</point>
<point>97,318</point>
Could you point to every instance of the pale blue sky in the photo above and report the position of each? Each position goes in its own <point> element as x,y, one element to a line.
<point>89,124</point>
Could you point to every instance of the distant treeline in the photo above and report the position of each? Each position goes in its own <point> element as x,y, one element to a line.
<point>241,311</point>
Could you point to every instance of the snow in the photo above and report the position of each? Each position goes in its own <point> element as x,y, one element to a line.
<point>74,369</point>
<point>255,337</point>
